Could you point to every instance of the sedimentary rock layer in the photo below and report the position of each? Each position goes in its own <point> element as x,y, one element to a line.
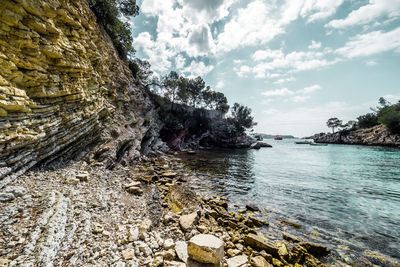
<point>63,88</point>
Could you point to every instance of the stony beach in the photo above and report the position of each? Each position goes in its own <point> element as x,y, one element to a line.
<point>86,215</point>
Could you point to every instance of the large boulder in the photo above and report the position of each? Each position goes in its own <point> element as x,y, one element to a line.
<point>260,243</point>
<point>206,249</point>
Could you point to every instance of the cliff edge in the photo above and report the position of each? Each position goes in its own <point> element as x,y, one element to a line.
<point>64,92</point>
<point>375,136</point>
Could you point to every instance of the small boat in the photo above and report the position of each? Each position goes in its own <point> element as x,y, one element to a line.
<point>303,142</point>
<point>318,144</point>
<point>278,137</point>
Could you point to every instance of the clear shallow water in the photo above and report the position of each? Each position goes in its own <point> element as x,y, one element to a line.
<point>345,196</point>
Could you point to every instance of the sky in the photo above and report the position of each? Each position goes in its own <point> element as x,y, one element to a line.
<point>295,63</point>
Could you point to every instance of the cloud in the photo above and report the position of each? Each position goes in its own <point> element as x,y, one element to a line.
<point>206,10</point>
<point>180,62</point>
<point>197,69</point>
<point>260,55</point>
<point>371,63</point>
<point>284,80</point>
<point>368,13</point>
<point>242,71</point>
<point>270,111</point>
<point>314,45</point>
<point>309,89</point>
<point>200,41</point>
<point>251,26</point>
<point>371,43</point>
<point>300,98</point>
<point>220,85</point>
<point>278,92</point>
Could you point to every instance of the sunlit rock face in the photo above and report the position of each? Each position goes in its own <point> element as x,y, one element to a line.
<point>63,89</point>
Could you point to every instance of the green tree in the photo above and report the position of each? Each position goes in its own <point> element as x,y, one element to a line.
<point>334,123</point>
<point>171,86</point>
<point>194,89</point>
<point>141,69</point>
<point>367,121</point>
<point>108,13</point>
<point>241,118</point>
<point>390,117</point>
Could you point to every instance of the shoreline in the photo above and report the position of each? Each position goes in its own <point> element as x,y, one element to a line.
<point>144,215</point>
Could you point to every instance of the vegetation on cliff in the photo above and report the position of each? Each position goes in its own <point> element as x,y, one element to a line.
<point>385,113</point>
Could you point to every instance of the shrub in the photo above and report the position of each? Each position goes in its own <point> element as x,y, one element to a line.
<point>390,117</point>
<point>368,120</point>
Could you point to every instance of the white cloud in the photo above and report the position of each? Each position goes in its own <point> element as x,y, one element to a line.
<point>371,43</point>
<point>197,69</point>
<point>220,85</point>
<point>309,89</point>
<point>371,63</point>
<point>180,62</point>
<point>270,111</point>
<point>242,71</point>
<point>260,55</point>
<point>314,45</point>
<point>368,13</point>
<point>284,80</point>
<point>251,26</point>
<point>300,98</point>
<point>278,92</point>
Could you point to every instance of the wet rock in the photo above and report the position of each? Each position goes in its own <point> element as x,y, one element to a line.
<point>317,250</point>
<point>260,261</point>
<point>260,243</point>
<point>181,250</point>
<point>252,207</point>
<point>237,261</point>
<point>258,222</point>
<point>311,261</point>
<point>233,252</point>
<point>5,197</point>
<point>297,254</point>
<point>277,263</point>
<point>188,222</point>
<point>290,238</point>
<point>296,225</point>
<point>206,249</point>
<point>267,256</point>
<point>128,254</point>
<point>181,196</point>
<point>282,250</point>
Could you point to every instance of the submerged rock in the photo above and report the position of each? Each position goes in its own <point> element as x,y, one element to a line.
<point>315,249</point>
<point>252,207</point>
<point>206,249</point>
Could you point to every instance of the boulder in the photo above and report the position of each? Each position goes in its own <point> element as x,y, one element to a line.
<point>317,250</point>
<point>252,207</point>
<point>206,249</point>
<point>260,243</point>
<point>237,261</point>
<point>188,222</point>
<point>290,238</point>
<point>260,261</point>
<point>282,250</point>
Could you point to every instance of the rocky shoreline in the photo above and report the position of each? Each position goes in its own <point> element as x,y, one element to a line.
<point>147,215</point>
<point>375,136</point>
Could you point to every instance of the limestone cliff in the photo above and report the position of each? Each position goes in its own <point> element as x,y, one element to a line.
<point>63,89</point>
<point>375,136</point>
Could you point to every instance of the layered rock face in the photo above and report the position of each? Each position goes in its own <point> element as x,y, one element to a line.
<point>375,136</point>
<point>63,89</point>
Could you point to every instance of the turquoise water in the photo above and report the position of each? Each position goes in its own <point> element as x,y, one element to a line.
<point>347,197</point>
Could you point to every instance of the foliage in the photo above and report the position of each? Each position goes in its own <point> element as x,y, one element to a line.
<point>367,121</point>
<point>241,118</point>
<point>389,115</point>
<point>350,125</point>
<point>141,69</point>
<point>334,123</point>
<point>108,14</point>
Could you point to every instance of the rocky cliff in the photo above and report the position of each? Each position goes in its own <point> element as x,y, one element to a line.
<point>64,91</point>
<point>375,136</point>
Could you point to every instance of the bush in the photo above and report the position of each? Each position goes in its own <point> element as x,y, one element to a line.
<point>108,13</point>
<point>390,117</point>
<point>368,120</point>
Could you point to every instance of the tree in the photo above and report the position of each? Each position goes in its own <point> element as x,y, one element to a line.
<point>194,89</point>
<point>141,70</point>
<point>171,86</point>
<point>367,121</point>
<point>241,118</point>
<point>108,13</point>
<point>350,125</point>
<point>390,117</point>
<point>334,123</point>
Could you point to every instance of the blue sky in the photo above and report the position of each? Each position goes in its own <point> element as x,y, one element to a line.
<point>296,63</point>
